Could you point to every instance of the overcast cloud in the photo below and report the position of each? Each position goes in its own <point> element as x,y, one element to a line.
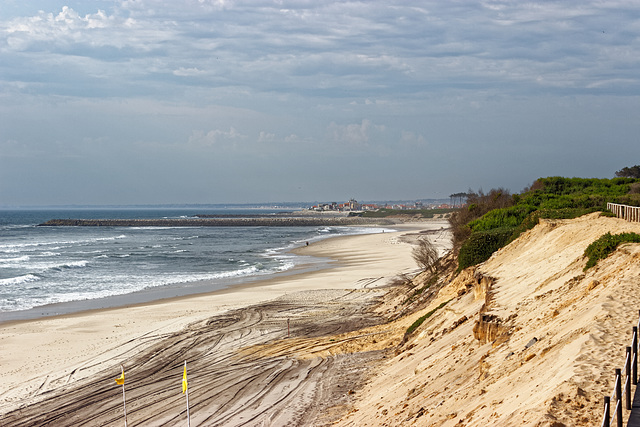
<point>203,101</point>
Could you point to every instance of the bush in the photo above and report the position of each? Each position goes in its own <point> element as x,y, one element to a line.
<point>500,218</point>
<point>492,220</point>
<point>478,204</point>
<point>426,255</point>
<point>482,244</point>
<point>605,245</point>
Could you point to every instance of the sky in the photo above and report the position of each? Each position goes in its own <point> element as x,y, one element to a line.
<point>225,101</point>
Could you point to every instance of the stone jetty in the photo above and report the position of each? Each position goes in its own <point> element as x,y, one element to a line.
<point>219,222</point>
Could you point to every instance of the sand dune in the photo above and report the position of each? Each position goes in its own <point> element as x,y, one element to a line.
<point>547,352</point>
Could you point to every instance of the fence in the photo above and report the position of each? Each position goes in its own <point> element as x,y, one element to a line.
<point>630,213</point>
<point>630,377</point>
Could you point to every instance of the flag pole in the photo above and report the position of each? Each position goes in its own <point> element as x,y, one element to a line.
<point>185,390</point>
<point>124,400</point>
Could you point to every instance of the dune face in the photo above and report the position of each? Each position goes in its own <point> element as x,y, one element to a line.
<point>527,338</point>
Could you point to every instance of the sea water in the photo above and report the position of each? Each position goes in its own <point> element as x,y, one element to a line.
<point>40,266</point>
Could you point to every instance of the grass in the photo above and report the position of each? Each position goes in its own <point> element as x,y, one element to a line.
<point>421,320</point>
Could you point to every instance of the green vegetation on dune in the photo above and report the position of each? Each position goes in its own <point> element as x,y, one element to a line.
<point>607,244</point>
<point>502,218</point>
<point>586,193</point>
<point>421,320</point>
<point>491,221</point>
<point>481,245</point>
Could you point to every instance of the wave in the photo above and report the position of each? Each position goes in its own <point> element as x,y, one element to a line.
<point>57,266</point>
<point>19,280</point>
<point>285,266</point>
<point>19,259</point>
<point>72,264</point>
<point>49,253</point>
<point>57,244</point>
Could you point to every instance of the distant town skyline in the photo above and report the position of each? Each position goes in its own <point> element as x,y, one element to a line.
<point>264,205</point>
<point>117,102</point>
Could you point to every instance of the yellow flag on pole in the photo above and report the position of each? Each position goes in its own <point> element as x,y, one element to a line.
<point>120,379</point>
<point>184,378</point>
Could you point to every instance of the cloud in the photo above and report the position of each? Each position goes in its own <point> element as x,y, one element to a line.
<point>266,137</point>
<point>411,138</point>
<point>45,31</point>
<point>325,83</point>
<point>355,133</point>
<point>216,137</point>
<point>188,72</point>
<point>344,48</point>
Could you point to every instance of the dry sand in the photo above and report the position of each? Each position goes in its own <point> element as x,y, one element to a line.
<point>526,338</point>
<point>545,354</point>
<point>60,370</point>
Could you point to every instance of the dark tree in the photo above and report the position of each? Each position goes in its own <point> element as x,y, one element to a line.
<point>632,172</point>
<point>457,199</point>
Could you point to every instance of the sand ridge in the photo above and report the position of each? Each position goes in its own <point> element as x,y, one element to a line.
<point>547,352</point>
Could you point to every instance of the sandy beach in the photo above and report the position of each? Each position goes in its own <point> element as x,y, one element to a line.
<point>67,363</point>
<point>526,338</point>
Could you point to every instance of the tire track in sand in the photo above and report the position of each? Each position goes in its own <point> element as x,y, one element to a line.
<point>226,387</point>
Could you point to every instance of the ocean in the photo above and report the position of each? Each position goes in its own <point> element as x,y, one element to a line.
<point>53,270</point>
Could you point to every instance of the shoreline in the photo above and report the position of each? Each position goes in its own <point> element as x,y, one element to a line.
<point>166,292</point>
<point>156,294</point>
<point>40,355</point>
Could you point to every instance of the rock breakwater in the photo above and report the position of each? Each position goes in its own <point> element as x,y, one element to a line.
<point>218,222</point>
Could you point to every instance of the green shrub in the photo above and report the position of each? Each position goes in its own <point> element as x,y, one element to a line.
<point>592,193</point>
<point>490,222</point>
<point>534,217</point>
<point>500,218</point>
<point>605,245</point>
<point>482,244</point>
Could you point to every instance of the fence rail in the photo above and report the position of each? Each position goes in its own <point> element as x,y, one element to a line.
<point>630,213</point>
<point>630,377</point>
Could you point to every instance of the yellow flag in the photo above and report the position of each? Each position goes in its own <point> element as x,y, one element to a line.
<point>120,379</point>
<point>184,378</point>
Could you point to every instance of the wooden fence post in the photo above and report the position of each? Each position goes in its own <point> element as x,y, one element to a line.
<point>627,382</point>
<point>634,362</point>
<point>618,397</point>
<point>607,407</point>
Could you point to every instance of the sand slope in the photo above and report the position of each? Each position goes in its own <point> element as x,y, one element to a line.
<point>546,351</point>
